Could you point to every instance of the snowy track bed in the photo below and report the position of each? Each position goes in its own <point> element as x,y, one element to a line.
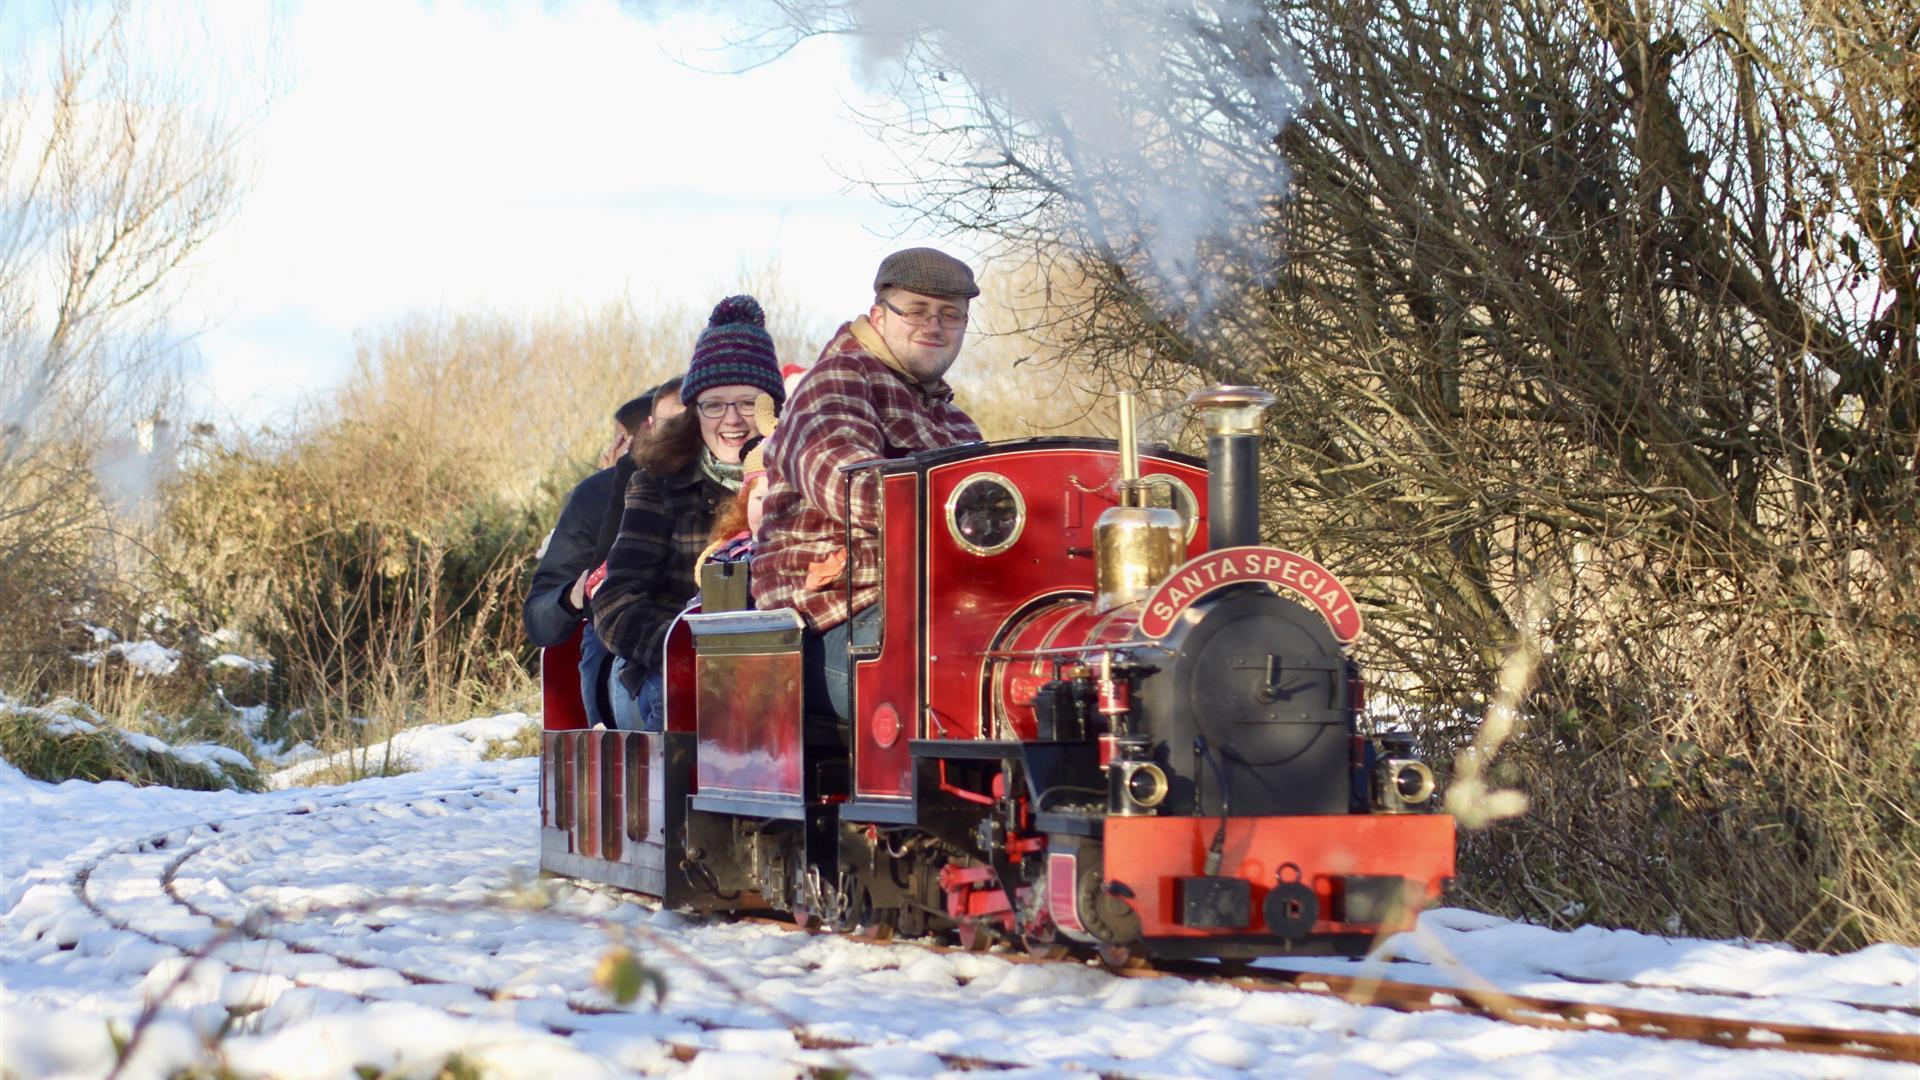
<point>378,930</point>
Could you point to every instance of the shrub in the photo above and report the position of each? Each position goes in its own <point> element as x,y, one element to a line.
<point>68,741</point>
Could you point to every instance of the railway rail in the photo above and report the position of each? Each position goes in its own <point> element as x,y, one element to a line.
<point>486,999</point>
<point>821,1054</point>
<point>1559,1014</point>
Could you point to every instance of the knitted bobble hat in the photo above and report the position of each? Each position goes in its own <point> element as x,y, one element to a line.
<point>734,350</point>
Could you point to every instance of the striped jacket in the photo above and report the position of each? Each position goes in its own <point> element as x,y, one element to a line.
<point>651,566</point>
<point>850,407</point>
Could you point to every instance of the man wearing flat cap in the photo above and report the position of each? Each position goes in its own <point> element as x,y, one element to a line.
<point>877,391</point>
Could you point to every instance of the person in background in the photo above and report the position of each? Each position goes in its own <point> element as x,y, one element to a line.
<point>666,403</point>
<point>556,599</point>
<point>666,406</point>
<point>687,468</point>
<point>628,420</point>
<point>877,391</point>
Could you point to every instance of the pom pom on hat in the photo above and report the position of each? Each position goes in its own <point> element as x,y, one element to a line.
<point>738,309</point>
<point>734,350</point>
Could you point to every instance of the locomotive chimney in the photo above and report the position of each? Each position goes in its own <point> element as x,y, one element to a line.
<point>1232,415</point>
<point>1135,546</point>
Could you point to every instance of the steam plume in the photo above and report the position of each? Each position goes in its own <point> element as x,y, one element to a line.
<point>1141,131</point>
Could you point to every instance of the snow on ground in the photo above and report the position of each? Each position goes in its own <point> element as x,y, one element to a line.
<point>409,878</point>
<point>421,747</point>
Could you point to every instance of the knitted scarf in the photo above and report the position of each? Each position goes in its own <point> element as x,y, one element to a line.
<point>727,476</point>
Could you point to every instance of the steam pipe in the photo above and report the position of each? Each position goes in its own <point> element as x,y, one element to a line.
<point>1129,442</point>
<point>1232,416</point>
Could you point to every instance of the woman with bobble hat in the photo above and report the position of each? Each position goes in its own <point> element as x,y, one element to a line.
<point>688,469</point>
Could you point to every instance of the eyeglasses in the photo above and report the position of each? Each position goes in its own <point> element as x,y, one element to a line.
<point>948,319</point>
<point>714,410</point>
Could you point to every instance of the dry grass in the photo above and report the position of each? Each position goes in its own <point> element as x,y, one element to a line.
<point>524,743</point>
<point>381,553</point>
<point>358,763</point>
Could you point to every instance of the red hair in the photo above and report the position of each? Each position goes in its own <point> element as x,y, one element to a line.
<point>732,521</point>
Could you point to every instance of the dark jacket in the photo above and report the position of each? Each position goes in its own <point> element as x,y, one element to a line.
<point>545,614</point>
<point>623,471</point>
<point>651,568</point>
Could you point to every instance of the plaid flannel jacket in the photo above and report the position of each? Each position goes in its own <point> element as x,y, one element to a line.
<point>651,568</point>
<point>850,407</point>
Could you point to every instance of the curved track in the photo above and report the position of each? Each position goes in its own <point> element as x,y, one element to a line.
<point>281,896</point>
<point>115,887</point>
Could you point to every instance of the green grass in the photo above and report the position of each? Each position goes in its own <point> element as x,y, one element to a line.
<point>67,741</point>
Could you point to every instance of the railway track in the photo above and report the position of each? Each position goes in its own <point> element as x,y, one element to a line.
<point>1557,1014</point>
<point>826,1055</point>
<point>207,927</point>
<point>1561,1014</point>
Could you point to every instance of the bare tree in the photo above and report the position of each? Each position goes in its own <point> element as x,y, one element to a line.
<point>1614,301</point>
<point>115,168</point>
<point>115,173</point>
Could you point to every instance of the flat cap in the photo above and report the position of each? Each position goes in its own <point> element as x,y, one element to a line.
<point>927,271</point>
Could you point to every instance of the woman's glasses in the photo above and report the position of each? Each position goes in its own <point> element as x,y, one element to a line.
<point>714,410</point>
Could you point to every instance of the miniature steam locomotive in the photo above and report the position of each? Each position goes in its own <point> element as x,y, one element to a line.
<point>1081,723</point>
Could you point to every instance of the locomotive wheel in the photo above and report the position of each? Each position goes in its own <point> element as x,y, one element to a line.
<point>976,937</point>
<point>1044,943</point>
<point>910,922</point>
<point>805,918</point>
<point>1118,957</point>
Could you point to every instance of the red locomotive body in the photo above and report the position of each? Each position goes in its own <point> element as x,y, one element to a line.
<point>1042,748</point>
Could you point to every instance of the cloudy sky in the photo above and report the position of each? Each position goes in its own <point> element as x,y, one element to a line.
<point>453,154</point>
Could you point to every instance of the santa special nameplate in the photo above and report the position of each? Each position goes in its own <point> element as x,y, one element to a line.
<point>1216,570</point>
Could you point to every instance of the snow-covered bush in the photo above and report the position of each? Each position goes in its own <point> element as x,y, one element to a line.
<point>66,740</point>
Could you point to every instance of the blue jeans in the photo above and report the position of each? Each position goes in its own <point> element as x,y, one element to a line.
<point>828,665</point>
<point>646,711</point>
<point>596,667</point>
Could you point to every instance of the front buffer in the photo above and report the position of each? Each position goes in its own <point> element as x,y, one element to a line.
<point>1306,885</point>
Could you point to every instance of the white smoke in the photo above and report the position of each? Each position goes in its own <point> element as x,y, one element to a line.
<point>1147,127</point>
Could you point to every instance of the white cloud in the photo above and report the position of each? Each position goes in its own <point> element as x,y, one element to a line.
<point>448,154</point>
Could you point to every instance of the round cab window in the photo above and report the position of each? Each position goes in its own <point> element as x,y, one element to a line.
<point>985,514</point>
